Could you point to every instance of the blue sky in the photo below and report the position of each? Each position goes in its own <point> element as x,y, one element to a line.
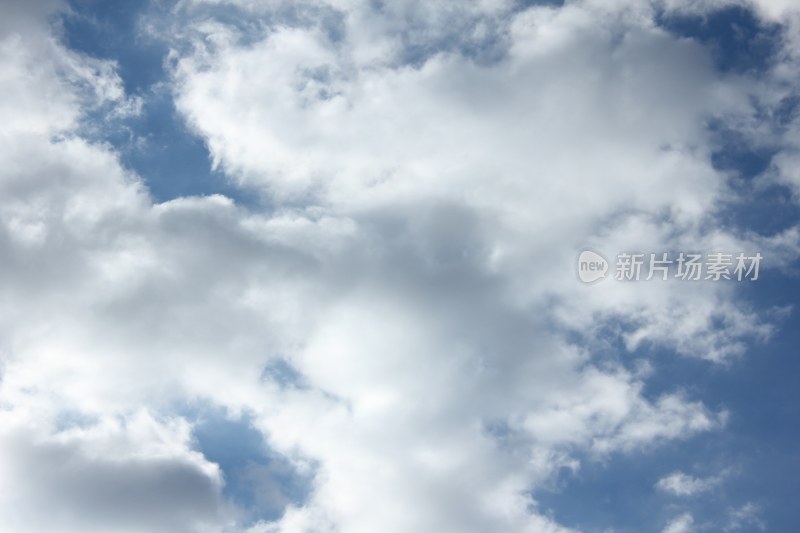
<point>283,267</point>
<point>173,161</point>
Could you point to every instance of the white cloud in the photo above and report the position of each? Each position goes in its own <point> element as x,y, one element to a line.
<point>747,517</point>
<point>680,524</point>
<point>681,484</point>
<point>317,124</point>
<point>136,474</point>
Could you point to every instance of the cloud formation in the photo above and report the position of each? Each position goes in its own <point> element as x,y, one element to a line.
<point>428,174</point>
<point>681,484</point>
<point>680,524</point>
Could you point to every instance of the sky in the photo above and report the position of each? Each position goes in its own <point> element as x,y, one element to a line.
<point>322,266</point>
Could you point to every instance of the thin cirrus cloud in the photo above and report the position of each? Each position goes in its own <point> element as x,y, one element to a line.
<point>681,484</point>
<point>424,174</point>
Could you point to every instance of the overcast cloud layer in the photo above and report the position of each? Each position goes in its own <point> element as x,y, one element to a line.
<point>397,315</point>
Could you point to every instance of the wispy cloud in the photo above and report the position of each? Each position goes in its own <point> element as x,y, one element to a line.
<point>680,484</point>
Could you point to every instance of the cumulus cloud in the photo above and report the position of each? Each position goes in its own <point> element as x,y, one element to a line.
<point>318,124</point>
<point>424,203</point>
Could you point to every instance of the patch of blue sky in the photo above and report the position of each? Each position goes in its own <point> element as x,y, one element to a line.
<point>760,205</point>
<point>735,154</point>
<point>259,481</point>
<point>757,447</point>
<point>739,41</point>
<point>156,143</point>
<point>282,373</point>
<point>110,30</point>
<point>763,210</point>
<point>593,501</point>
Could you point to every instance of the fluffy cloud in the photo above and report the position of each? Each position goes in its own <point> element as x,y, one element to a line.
<point>136,475</point>
<point>317,124</point>
<point>413,267</point>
